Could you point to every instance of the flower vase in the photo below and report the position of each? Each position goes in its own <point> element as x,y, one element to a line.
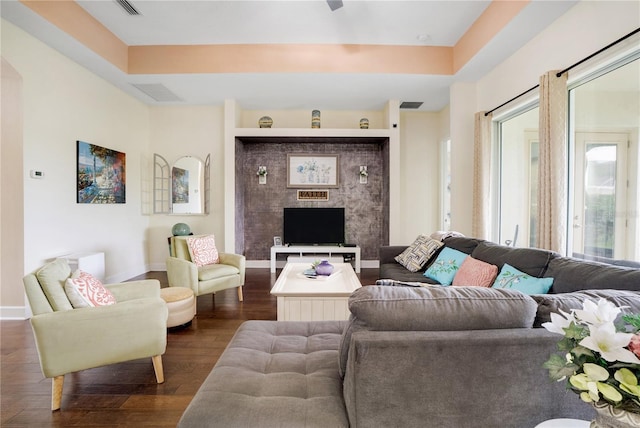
<point>324,268</point>
<point>608,416</point>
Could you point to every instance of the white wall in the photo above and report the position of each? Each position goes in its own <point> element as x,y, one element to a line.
<point>63,102</point>
<point>181,131</point>
<point>420,135</point>
<point>11,196</point>
<point>461,119</point>
<point>584,29</point>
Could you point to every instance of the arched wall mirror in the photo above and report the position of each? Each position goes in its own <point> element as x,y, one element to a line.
<point>182,188</point>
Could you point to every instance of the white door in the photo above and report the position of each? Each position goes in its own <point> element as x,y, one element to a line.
<point>600,196</point>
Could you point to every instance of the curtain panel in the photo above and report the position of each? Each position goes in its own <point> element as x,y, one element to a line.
<point>552,172</point>
<point>482,164</point>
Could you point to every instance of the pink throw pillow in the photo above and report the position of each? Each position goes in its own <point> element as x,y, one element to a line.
<point>84,290</point>
<point>203,250</point>
<point>474,272</point>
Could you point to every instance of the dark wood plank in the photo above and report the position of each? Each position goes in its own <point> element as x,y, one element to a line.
<point>126,394</point>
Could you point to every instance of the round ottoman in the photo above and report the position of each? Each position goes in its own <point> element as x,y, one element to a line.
<point>181,303</point>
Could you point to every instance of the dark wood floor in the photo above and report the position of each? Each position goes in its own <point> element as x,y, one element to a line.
<point>126,394</point>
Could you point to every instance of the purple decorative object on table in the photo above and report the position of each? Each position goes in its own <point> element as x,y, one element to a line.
<point>324,268</point>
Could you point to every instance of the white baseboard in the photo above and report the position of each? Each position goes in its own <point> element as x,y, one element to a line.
<point>257,264</point>
<point>127,275</point>
<point>157,267</point>
<point>13,313</point>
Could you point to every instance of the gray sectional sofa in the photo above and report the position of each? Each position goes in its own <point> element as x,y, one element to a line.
<point>412,356</point>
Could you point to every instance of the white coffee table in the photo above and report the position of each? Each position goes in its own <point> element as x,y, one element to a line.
<point>304,299</point>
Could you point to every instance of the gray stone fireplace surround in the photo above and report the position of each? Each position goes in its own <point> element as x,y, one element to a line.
<point>259,207</point>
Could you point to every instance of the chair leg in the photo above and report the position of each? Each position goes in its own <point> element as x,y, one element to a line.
<point>56,392</point>
<point>240,296</point>
<point>157,367</point>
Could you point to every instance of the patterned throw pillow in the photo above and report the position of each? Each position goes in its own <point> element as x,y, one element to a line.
<point>419,253</point>
<point>446,266</point>
<point>513,279</point>
<point>474,272</point>
<point>202,250</point>
<point>84,290</point>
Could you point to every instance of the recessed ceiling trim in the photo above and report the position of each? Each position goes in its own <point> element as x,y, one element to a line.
<point>157,91</point>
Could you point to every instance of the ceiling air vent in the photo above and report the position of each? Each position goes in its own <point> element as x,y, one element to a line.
<point>334,4</point>
<point>157,91</point>
<point>411,104</point>
<point>128,7</point>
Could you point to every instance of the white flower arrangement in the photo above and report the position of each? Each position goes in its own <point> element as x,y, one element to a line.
<point>601,361</point>
<point>363,171</point>
<point>262,171</point>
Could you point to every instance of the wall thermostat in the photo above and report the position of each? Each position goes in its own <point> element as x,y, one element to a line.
<point>36,174</point>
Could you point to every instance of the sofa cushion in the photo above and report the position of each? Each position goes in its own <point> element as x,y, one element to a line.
<point>416,255</point>
<point>474,272</point>
<point>383,308</point>
<point>463,244</point>
<point>574,275</point>
<point>531,261</point>
<point>52,278</point>
<point>273,372</point>
<point>512,279</point>
<point>548,303</point>
<point>397,272</point>
<point>446,265</point>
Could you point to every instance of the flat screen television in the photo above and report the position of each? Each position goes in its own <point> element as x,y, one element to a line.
<point>313,226</point>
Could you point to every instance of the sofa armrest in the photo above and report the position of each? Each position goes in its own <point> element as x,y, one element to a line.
<point>78,339</point>
<point>237,260</point>
<point>182,273</point>
<point>135,289</point>
<point>407,378</point>
<point>388,253</point>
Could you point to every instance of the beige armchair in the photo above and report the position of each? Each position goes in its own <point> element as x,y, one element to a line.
<point>182,272</point>
<point>69,340</point>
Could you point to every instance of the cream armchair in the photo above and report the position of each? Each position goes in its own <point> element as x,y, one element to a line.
<point>182,272</point>
<point>69,340</point>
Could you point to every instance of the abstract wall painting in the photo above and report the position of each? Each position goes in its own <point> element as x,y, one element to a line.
<point>101,175</point>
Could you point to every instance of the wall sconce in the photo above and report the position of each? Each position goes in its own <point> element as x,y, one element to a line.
<point>262,175</point>
<point>364,174</point>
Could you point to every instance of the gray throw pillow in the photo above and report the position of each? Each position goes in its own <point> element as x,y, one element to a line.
<point>418,253</point>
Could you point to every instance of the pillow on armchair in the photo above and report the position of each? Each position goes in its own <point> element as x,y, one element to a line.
<point>202,250</point>
<point>84,290</point>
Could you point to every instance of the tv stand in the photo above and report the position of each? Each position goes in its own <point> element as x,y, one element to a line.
<point>322,250</point>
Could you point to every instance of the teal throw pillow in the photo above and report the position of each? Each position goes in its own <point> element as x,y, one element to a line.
<point>446,265</point>
<point>512,279</point>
